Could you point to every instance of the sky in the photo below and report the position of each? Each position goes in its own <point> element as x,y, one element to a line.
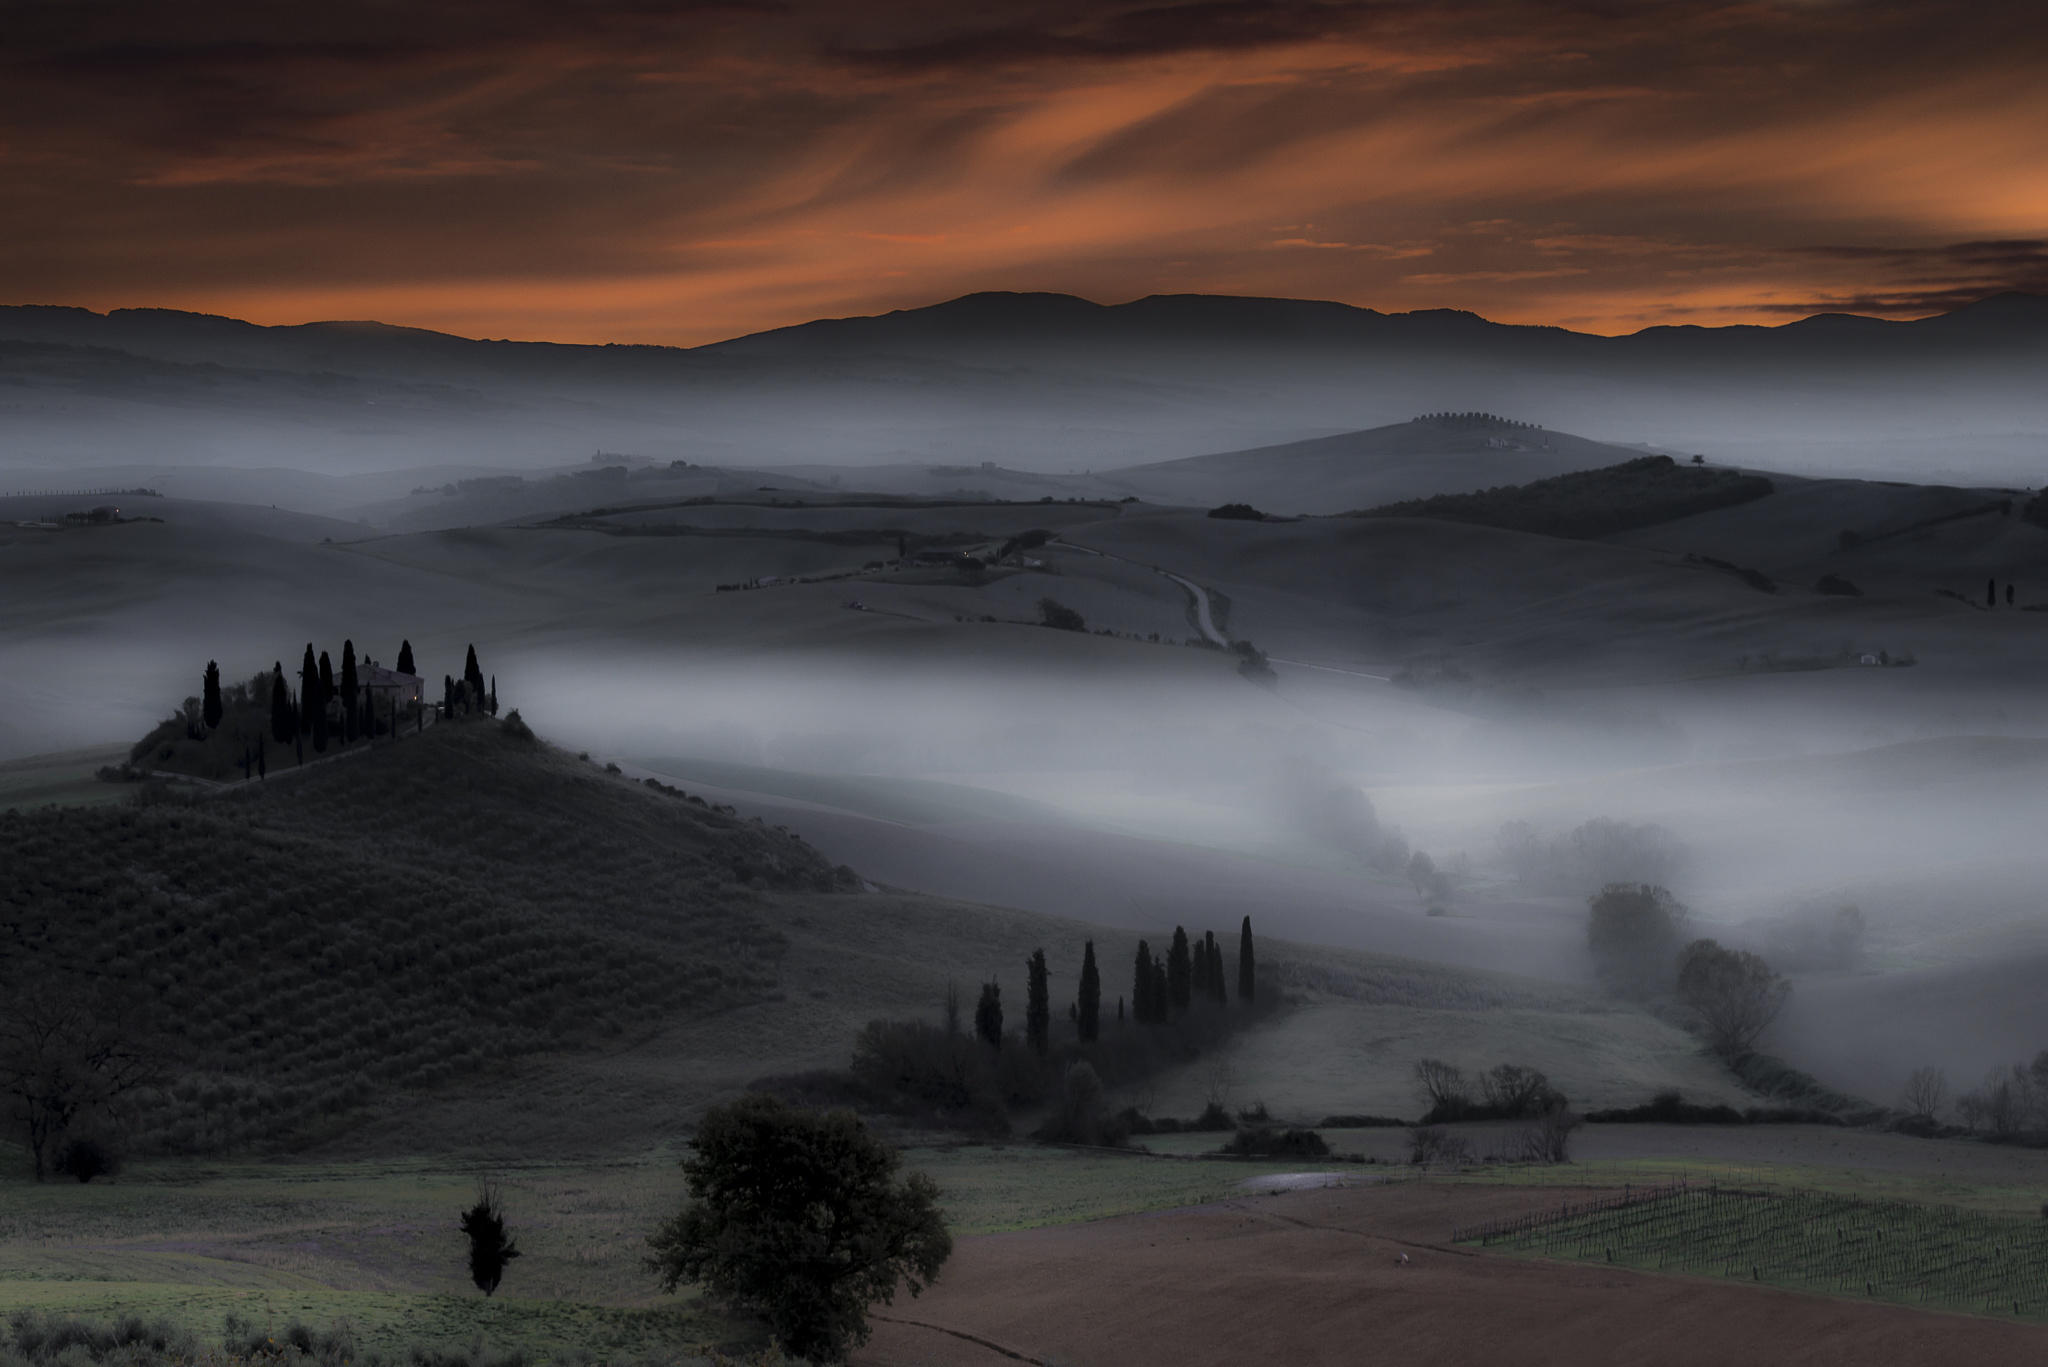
<point>634,171</point>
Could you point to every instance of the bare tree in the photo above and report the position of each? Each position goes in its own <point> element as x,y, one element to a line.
<point>1441,1087</point>
<point>1735,994</point>
<point>67,1051</point>
<point>1515,1091</point>
<point>1925,1092</point>
<point>1546,1139</point>
<point>2002,1104</point>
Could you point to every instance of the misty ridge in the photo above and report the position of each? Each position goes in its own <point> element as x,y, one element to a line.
<point>1099,757</point>
<point>1034,382</point>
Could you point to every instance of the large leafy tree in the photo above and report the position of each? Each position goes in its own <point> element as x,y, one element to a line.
<point>1735,994</point>
<point>799,1216</point>
<point>1634,931</point>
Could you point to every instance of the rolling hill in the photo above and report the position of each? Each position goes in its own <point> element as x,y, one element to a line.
<point>1408,460</point>
<point>471,941</point>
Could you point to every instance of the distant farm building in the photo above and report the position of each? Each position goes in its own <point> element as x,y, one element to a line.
<point>389,687</point>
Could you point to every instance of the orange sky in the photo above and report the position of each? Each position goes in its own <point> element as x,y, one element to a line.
<point>640,171</point>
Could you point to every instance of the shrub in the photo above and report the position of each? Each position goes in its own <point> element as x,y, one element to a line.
<point>1433,1144</point>
<point>1361,1122</point>
<point>86,1157</point>
<point>1667,1108</point>
<point>1266,1142</point>
<point>491,1250</point>
<point>1212,1118</point>
<point>1078,1119</point>
<point>1547,1138</point>
<point>1060,617</point>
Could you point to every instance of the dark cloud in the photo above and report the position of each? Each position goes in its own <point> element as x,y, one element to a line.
<point>1916,281</point>
<point>1112,33</point>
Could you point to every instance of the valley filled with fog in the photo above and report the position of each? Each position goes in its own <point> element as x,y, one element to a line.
<point>1794,701</point>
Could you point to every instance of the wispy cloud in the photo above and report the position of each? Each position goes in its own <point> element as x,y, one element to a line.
<point>659,172</point>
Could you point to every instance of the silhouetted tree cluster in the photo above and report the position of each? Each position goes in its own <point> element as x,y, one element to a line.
<point>1634,931</point>
<point>1591,503</point>
<point>932,1070</point>
<point>1476,420</point>
<point>1060,617</point>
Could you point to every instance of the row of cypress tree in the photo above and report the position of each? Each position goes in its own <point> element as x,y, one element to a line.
<point>304,714</point>
<point>1192,970</point>
<point>1160,989</point>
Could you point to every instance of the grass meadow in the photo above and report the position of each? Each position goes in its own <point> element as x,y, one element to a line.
<point>375,1244</point>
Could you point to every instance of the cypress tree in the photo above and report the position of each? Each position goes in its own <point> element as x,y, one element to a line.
<point>405,658</point>
<point>988,1016</point>
<point>493,709</point>
<point>1161,997</point>
<point>1088,1008</point>
<point>1246,977</point>
<point>1037,1004</point>
<point>447,695</point>
<point>209,707</point>
<point>284,718</point>
<point>1141,986</point>
<point>323,689</point>
<point>309,691</point>
<point>351,691</point>
<point>1119,1010</point>
<point>1179,971</point>
<point>474,677</point>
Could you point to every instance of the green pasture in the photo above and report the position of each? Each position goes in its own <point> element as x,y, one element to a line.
<point>376,1243</point>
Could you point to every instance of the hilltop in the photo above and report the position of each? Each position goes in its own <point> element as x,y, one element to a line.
<point>1436,454</point>
<point>435,909</point>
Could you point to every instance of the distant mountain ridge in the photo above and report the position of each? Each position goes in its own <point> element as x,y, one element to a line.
<point>1032,381</point>
<point>2002,318</point>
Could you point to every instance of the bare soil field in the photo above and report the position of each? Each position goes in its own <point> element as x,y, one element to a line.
<point>1313,1276</point>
